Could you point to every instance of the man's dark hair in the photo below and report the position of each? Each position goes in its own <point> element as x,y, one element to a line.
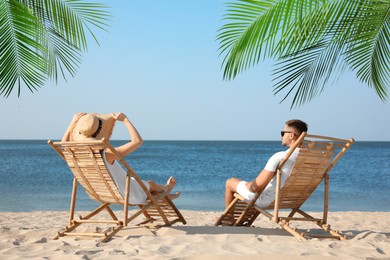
<point>297,124</point>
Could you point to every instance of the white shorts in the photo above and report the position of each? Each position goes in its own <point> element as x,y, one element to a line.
<point>248,195</point>
<point>243,191</point>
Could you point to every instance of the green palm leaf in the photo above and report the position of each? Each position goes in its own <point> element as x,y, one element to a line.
<point>368,45</point>
<point>41,39</point>
<point>20,58</point>
<point>314,41</point>
<point>308,72</point>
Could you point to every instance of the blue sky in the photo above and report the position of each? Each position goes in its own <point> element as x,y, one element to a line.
<point>159,64</point>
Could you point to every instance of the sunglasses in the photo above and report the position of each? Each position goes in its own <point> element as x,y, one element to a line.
<point>283,132</point>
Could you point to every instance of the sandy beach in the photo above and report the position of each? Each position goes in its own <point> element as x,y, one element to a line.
<point>29,235</point>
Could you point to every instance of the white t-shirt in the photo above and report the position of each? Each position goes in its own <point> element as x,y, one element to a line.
<point>268,195</point>
<point>118,174</point>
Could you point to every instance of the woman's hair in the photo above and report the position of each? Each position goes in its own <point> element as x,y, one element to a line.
<point>298,125</point>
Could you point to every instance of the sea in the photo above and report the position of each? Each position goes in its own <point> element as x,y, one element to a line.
<point>33,177</point>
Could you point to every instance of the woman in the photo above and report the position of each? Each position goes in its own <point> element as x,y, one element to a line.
<point>94,126</point>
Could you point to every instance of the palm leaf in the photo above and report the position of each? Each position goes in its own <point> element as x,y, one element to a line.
<point>44,38</point>
<point>241,40</point>
<point>307,72</point>
<point>20,58</point>
<point>368,45</point>
<point>66,22</point>
<point>259,29</point>
<point>313,40</point>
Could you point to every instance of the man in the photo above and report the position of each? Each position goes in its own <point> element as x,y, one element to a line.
<point>292,130</point>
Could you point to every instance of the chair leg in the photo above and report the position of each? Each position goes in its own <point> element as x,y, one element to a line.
<point>71,225</point>
<point>176,210</point>
<point>248,214</point>
<point>253,217</point>
<point>226,215</point>
<point>161,208</point>
<point>67,231</point>
<point>334,234</point>
<point>111,234</point>
<point>73,200</point>
<point>293,231</point>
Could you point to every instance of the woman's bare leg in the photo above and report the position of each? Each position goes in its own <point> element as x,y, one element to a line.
<point>154,187</point>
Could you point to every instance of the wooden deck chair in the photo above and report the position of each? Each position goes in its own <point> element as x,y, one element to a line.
<point>87,165</point>
<point>317,156</point>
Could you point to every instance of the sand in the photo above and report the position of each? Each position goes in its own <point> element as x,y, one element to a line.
<point>29,235</point>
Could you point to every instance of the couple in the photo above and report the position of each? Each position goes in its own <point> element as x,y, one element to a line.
<point>96,126</point>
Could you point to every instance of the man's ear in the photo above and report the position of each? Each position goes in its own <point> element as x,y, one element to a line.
<point>293,136</point>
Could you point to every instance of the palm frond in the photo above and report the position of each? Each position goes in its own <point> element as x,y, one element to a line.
<point>20,57</point>
<point>308,72</point>
<point>368,45</point>
<point>41,39</point>
<point>314,40</point>
<point>318,20</point>
<point>241,39</point>
<point>259,29</point>
<point>63,56</point>
<point>70,18</point>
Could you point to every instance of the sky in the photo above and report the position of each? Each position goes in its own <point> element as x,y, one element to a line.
<point>159,64</point>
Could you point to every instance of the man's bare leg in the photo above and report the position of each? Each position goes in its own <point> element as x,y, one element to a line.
<point>230,189</point>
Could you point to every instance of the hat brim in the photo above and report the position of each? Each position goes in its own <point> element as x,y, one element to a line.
<point>108,123</point>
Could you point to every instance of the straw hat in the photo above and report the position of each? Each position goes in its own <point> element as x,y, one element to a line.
<point>93,126</point>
